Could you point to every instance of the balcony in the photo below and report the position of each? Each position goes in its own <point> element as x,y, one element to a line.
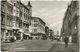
<point>17,28</point>
<point>2,26</point>
<point>25,21</point>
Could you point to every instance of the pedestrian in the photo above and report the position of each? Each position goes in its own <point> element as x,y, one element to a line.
<point>66,40</point>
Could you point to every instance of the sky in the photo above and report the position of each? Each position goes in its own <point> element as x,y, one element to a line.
<point>51,12</point>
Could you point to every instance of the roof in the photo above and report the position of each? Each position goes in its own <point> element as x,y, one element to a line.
<point>39,19</point>
<point>29,4</point>
<point>24,5</point>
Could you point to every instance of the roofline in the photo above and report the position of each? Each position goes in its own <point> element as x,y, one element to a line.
<point>24,5</point>
<point>39,19</point>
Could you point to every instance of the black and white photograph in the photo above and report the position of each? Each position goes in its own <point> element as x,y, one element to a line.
<point>40,25</point>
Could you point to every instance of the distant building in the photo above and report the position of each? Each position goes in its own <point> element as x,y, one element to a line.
<point>37,26</point>
<point>70,21</point>
<point>51,33</point>
<point>47,30</point>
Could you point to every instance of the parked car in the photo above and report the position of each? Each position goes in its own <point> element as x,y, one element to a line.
<point>30,37</point>
<point>9,39</point>
<point>55,38</point>
<point>35,37</point>
<point>12,39</point>
<point>44,37</point>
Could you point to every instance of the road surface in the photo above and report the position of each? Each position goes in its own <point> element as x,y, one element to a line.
<point>40,46</point>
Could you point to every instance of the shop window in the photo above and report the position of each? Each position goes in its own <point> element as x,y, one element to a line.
<point>35,30</point>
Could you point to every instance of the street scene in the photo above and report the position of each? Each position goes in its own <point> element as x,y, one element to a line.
<point>40,26</point>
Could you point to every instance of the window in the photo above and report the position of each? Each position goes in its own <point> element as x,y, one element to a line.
<point>10,33</point>
<point>14,4</point>
<point>6,34</point>
<point>32,25</point>
<point>17,12</point>
<point>26,17</point>
<point>3,8</point>
<point>20,13</point>
<point>35,30</point>
<point>7,20</point>
<point>2,19</point>
<point>35,20</point>
<point>10,20</point>
<point>35,25</point>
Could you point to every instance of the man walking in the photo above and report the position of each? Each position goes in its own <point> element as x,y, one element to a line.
<point>66,40</point>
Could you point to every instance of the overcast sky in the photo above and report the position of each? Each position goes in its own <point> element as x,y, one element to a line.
<point>52,12</point>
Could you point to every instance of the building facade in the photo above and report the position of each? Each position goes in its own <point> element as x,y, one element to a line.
<point>22,18</point>
<point>6,19</point>
<point>70,21</point>
<point>37,26</point>
<point>51,34</point>
<point>15,19</point>
<point>47,30</point>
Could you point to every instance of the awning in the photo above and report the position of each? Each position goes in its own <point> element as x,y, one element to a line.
<point>15,27</point>
<point>37,33</point>
<point>27,34</point>
<point>21,30</point>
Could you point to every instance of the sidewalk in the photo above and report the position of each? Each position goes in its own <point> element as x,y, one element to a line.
<point>60,47</point>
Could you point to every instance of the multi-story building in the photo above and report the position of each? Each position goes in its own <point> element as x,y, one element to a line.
<point>6,19</point>
<point>37,26</point>
<point>70,21</point>
<point>22,18</point>
<point>15,19</point>
<point>26,13</point>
